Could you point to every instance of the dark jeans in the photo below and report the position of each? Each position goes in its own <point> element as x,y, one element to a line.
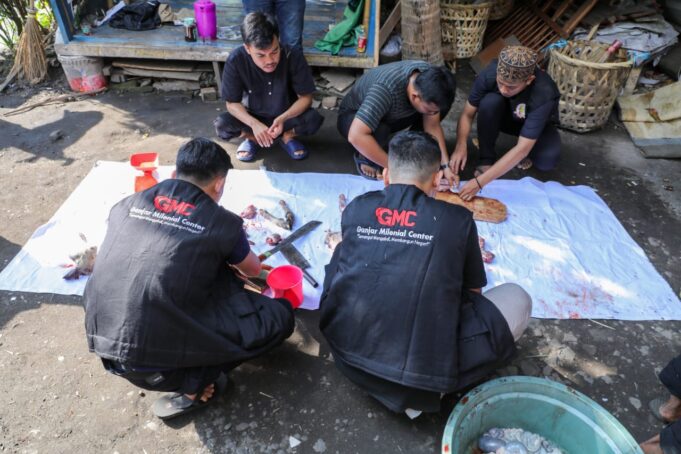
<point>494,116</point>
<point>189,380</point>
<point>385,130</point>
<point>228,127</point>
<point>670,437</point>
<point>289,14</point>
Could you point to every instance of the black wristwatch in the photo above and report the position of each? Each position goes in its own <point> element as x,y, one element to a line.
<point>444,166</point>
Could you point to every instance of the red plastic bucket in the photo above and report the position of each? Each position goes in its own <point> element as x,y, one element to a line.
<point>287,282</point>
<point>83,73</point>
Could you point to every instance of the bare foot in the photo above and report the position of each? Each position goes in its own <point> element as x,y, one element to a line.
<point>208,392</point>
<point>479,170</point>
<point>525,164</point>
<point>371,172</point>
<point>652,446</point>
<point>671,410</point>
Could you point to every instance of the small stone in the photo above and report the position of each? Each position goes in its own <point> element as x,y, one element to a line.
<point>528,367</point>
<point>607,379</point>
<point>590,349</point>
<point>569,337</point>
<point>56,135</point>
<point>316,103</point>
<point>60,359</point>
<point>635,402</point>
<point>547,370</point>
<point>319,446</point>
<point>208,94</point>
<point>151,425</point>
<point>292,441</point>
<point>227,426</point>
<point>242,426</point>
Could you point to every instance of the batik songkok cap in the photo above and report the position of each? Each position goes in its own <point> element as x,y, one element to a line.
<point>516,63</point>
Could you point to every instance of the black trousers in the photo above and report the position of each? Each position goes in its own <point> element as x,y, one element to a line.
<point>494,116</point>
<point>670,437</point>
<point>385,129</point>
<point>190,380</point>
<point>228,127</point>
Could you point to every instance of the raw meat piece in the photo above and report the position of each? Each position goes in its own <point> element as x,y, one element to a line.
<point>342,202</point>
<point>249,212</point>
<point>332,239</point>
<point>273,240</point>
<point>84,262</point>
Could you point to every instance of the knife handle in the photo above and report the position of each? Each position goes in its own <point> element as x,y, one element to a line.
<point>310,279</point>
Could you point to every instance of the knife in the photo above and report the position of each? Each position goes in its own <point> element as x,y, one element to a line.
<point>301,231</point>
<point>294,257</point>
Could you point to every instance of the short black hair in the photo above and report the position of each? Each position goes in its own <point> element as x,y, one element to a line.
<point>413,155</point>
<point>437,85</point>
<point>202,160</point>
<point>259,29</point>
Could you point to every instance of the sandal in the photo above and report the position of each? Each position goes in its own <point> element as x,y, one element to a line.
<point>177,404</point>
<point>360,160</point>
<point>295,149</point>
<point>246,150</point>
<point>655,405</point>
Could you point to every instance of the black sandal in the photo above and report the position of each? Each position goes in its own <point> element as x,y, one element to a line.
<point>177,404</point>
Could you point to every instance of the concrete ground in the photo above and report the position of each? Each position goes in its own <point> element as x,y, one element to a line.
<point>56,397</point>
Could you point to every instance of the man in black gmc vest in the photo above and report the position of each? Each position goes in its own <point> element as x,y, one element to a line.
<point>162,308</point>
<point>402,308</point>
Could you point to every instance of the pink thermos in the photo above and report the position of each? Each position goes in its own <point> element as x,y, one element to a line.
<point>206,21</point>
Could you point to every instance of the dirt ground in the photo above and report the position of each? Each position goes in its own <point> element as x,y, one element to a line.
<point>57,398</point>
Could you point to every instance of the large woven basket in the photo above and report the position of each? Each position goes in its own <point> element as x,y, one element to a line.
<point>463,27</point>
<point>588,90</point>
<point>501,9</point>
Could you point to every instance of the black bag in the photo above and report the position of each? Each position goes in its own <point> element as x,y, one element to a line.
<point>137,16</point>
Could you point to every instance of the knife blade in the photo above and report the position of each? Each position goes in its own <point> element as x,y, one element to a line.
<point>301,231</point>
<point>294,257</point>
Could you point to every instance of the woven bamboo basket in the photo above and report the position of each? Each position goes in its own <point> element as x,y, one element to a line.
<point>501,9</point>
<point>463,27</point>
<point>588,90</point>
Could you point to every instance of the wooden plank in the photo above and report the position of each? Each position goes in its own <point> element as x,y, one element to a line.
<point>581,13</point>
<point>218,77</point>
<point>390,23</point>
<point>192,76</point>
<point>156,65</point>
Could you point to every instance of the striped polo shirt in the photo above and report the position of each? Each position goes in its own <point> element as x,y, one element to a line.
<point>380,95</point>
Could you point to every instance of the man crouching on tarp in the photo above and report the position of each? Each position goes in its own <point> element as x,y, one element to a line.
<point>401,308</point>
<point>162,308</point>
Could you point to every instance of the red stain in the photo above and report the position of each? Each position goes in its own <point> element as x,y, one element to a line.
<point>464,400</point>
<point>446,448</point>
<point>574,316</point>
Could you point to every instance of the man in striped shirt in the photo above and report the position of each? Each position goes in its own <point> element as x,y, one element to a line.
<point>390,98</point>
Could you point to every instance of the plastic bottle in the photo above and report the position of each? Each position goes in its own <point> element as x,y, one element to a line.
<point>206,20</point>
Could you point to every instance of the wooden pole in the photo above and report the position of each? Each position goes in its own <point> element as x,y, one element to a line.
<point>421,32</point>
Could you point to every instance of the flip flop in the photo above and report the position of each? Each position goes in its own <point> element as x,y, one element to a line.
<point>177,404</point>
<point>360,160</point>
<point>247,148</point>
<point>655,405</point>
<point>292,146</point>
<point>525,164</point>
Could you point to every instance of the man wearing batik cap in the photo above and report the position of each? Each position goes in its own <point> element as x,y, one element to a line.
<point>513,96</point>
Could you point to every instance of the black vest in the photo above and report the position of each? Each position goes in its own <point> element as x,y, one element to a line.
<point>394,301</point>
<point>161,293</point>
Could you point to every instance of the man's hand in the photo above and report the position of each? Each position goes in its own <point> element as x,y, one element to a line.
<point>469,190</point>
<point>277,128</point>
<point>457,161</point>
<point>262,135</point>
<point>450,180</point>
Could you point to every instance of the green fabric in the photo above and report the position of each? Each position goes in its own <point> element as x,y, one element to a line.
<point>343,34</point>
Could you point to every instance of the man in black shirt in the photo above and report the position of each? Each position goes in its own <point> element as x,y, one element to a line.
<point>162,308</point>
<point>405,94</point>
<point>401,307</point>
<point>513,96</point>
<point>268,88</point>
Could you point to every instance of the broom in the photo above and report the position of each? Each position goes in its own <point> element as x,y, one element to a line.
<point>30,63</point>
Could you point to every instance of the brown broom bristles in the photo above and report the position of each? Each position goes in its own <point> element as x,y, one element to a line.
<point>30,62</point>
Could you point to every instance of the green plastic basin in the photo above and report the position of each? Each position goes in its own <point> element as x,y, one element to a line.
<point>564,416</point>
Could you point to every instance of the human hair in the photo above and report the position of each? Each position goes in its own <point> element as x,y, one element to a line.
<point>436,85</point>
<point>259,29</point>
<point>413,155</point>
<point>201,160</point>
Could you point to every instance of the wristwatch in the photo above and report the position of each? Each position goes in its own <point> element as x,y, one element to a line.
<point>444,166</point>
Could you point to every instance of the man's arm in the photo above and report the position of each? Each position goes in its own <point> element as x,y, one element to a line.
<point>463,129</point>
<point>431,125</point>
<point>503,165</point>
<point>297,108</point>
<point>250,266</point>
<point>260,132</point>
<point>360,137</point>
